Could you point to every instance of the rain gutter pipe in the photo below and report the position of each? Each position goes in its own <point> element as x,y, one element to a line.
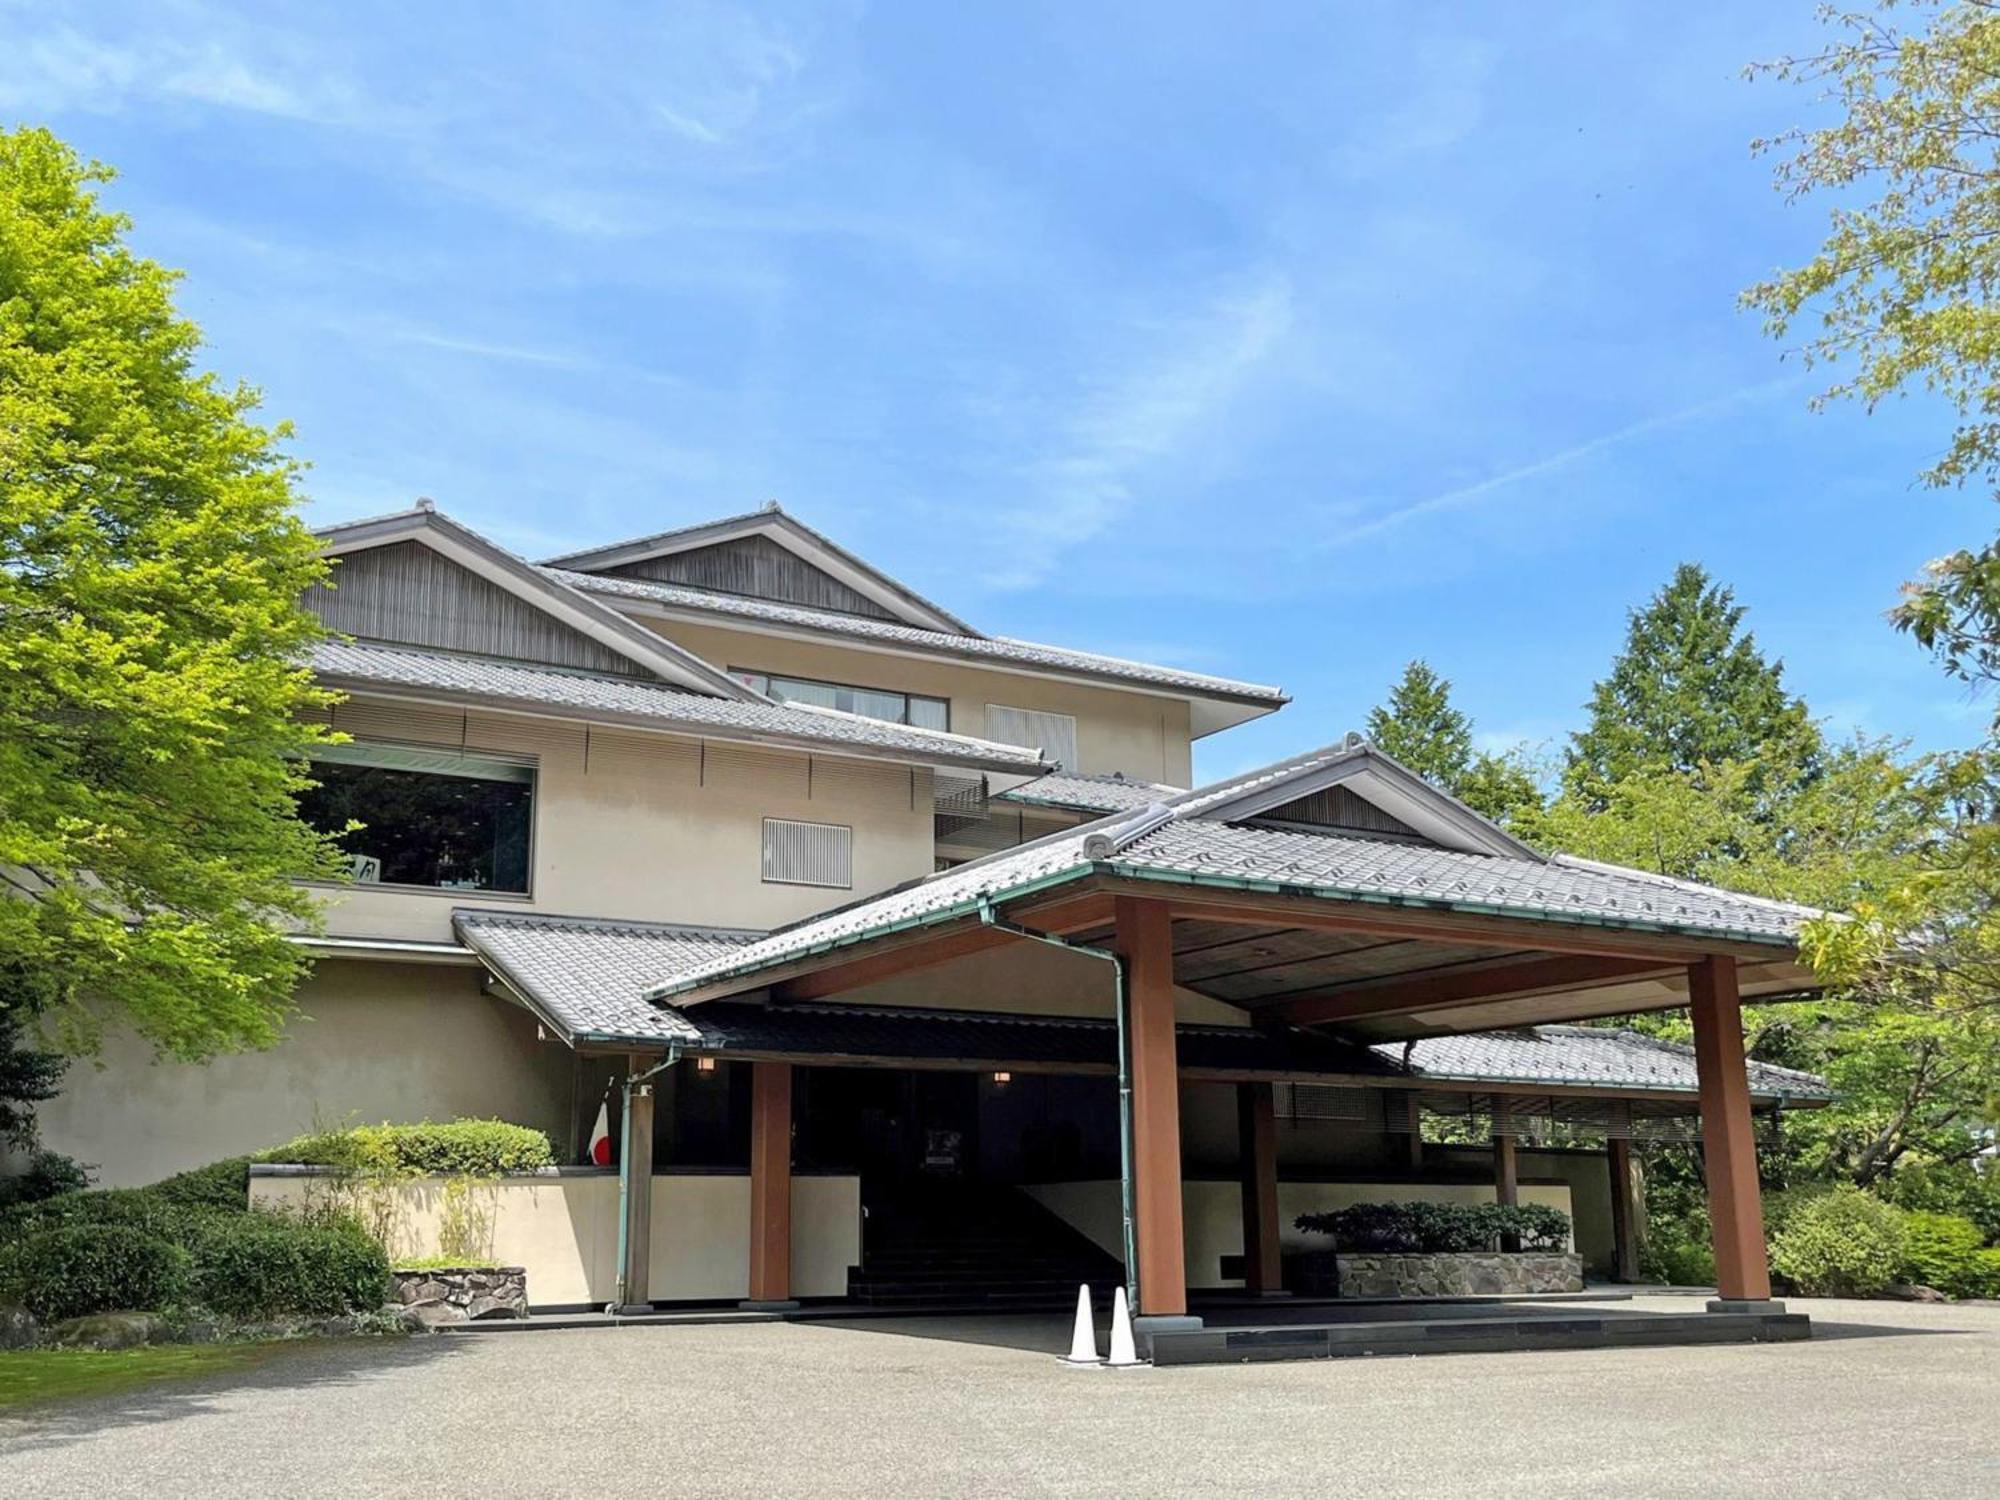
<point>639,1080</point>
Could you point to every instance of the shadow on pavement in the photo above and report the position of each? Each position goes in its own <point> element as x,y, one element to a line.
<point>1034,1333</point>
<point>301,1364</point>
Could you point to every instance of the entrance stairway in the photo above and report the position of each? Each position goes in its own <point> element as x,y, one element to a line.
<point>948,1245</point>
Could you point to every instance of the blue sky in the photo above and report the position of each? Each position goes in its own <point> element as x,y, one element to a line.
<point>1281,342</point>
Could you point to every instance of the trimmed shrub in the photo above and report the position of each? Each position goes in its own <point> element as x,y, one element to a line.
<point>124,1208</point>
<point>259,1266</point>
<point>479,1148</point>
<point>222,1185</point>
<point>1942,1250</point>
<point>85,1268</point>
<point>49,1173</point>
<point>1988,1264</point>
<point>1842,1243</point>
<point>1439,1228</point>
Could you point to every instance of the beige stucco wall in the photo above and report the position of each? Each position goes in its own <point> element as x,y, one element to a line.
<point>564,1230</point>
<point>1028,978</point>
<point>372,1042</point>
<point>651,827</point>
<point>1212,1213</point>
<point>1116,730</point>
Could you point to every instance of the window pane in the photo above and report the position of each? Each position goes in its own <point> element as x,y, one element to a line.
<point>795,690</point>
<point>930,713</point>
<point>753,680</point>
<point>455,832</point>
<point>873,705</point>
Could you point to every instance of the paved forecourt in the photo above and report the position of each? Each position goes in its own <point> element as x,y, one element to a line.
<point>1886,1399</point>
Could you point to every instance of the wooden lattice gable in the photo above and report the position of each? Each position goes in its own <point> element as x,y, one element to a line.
<point>418,578</point>
<point>1353,788</point>
<point>767,555</point>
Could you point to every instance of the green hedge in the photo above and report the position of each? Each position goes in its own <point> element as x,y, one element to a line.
<point>75,1269</point>
<point>1439,1228</point>
<point>477,1148</point>
<point>1842,1243</point>
<point>1943,1251</point>
<point>259,1266</point>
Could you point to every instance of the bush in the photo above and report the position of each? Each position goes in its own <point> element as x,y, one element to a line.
<point>1842,1243</point>
<point>1988,1262</point>
<point>1678,1252</point>
<point>1440,1228</point>
<point>68,1271</point>
<point>1957,1188</point>
<point>479,1148</point>
<point>223,1185</point>
<point>1943,1250</point>
<point>109,1208</point>
<point>49,1173</point>
<point>256,1265</point>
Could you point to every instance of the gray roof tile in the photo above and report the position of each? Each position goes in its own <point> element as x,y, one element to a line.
<point>971,648</point>
<point>1583,1056</point>
<point>1100,794</point>
<point>587,693</point>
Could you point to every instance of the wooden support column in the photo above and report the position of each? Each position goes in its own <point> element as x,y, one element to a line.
<point>1257,1156</point>
<point>1506,1167</point>
<point>1624,1210</point>
<point>1411,1124</point>
<point>636,1173</point>
<point>770,1185</point>
<point>1728,1142</point>
<point>1145,940</point>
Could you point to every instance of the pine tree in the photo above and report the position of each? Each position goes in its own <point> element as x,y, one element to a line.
<point>1420,728</point>
<point>1689,689</point>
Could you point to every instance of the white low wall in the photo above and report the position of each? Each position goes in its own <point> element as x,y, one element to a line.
<point>1212,1213</point>
<point>564,1230</point>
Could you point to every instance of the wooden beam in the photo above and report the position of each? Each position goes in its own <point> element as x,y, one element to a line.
<point>1461,984</point>
<point>1728,1145</point>
<point>1064,914</point>
<point>911,957</point>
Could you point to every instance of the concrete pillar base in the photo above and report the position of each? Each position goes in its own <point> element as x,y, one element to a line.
<point>753,1305</point>
<point>632,1309</point>
<point>1147,1324</point>
<point>1760,1305</point>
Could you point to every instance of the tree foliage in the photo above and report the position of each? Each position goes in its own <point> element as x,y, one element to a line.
<point>1690,688</point>
<point>151,641</point>
<point>1422,729</point>
<point>1900,296</point>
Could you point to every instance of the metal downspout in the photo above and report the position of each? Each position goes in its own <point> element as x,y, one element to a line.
<point>989,918</point>
<point>625,1158</point>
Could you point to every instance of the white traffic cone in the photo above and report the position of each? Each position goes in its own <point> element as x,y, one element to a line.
<point>1083,1342</point>
<point>1123,1354</point>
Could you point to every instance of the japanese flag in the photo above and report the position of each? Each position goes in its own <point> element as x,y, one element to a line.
<point>600,1136</point>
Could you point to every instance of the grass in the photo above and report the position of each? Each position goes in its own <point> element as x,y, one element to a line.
<point>34,1375</point>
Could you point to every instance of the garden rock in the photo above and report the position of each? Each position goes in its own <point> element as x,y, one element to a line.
<point>1502,1274</point>
<point>112,1330</point>
<point>18,1328</point>
<point>463,1294</point>
<point>1904,1292</point>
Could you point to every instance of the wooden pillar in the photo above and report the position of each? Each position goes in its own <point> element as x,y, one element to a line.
<point>770,1183</point>
<point>1257,1157</point>
<point>1728,1145</point>
<point>1624,1216</point>
<point>636,1172</point>
<point>1145,939</point>
<point>1506,1166</point>
<point>1411,1126</point>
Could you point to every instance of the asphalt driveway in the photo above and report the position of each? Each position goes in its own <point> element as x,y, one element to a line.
<point>1889,1399</point>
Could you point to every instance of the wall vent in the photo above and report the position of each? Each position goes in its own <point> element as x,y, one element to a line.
<point>808,853</point>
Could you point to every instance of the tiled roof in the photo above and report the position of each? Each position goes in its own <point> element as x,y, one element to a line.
<point>559,687</point>
<point>971,648</point>
<point>1188,848</point>
<point>1100,794</point>
<point>1583,1055</point>
<point>587,976</point>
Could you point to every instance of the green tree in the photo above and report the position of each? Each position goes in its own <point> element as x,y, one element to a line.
<point>1900,294</point>
<point>1421,728</point>
<point>1689,689</point>
<point>151,643</point>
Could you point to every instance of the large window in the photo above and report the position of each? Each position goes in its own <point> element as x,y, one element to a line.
<point>871,703</point>
<point>430,817</point>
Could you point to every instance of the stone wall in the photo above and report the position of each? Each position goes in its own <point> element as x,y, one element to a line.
<point>462,1295</point>
<point>1480,1274</point>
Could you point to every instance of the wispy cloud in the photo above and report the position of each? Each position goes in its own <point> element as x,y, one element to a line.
<point>1472,495</point>
<point>1138,417</point>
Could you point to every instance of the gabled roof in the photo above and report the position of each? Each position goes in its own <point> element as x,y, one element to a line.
<point>787,531</point>
<point>678,601</point>
<point>414,672</point>
<point>1190,840</point>
<point>1582,1056</point>
<point>426,525</point>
